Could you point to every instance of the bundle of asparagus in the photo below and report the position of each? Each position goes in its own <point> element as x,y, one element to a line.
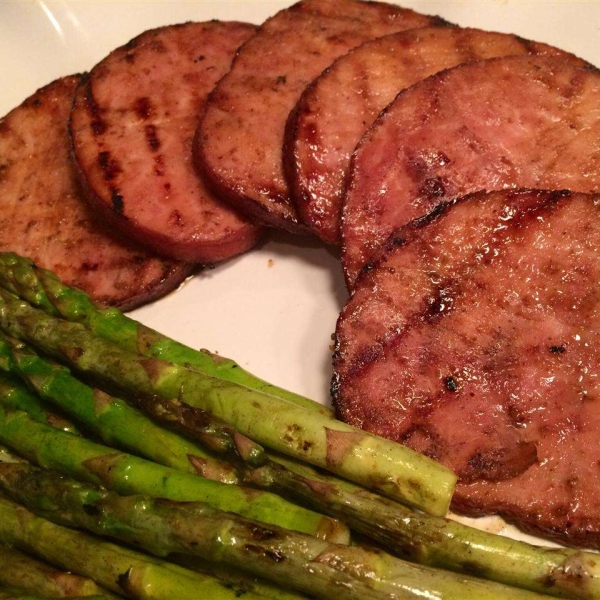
<point>119,569</point>
<point>200,404</point>
<point>200,395</point>
<point>308,564</point>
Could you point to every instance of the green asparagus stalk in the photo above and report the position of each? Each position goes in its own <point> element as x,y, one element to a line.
<point>116,422</point>
<point>43,289</point>
<point>126,474</point>
<point>435,541</point>
<point>303,562</point>
<point>31,576</point>
<point>19,398</point>
<point>389,468</point>
<point>113,567</point>
<point>234,577</point>
<point>14,594</point>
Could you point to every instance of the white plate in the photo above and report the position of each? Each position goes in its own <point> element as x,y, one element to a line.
<point>273,310</point>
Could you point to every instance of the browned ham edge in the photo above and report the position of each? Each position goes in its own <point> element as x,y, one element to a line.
<point>239,144</point>
<point>336,110</point>
<point>132,128</point>
<point>524,121</point>
<point>43,214</point>
<point>473,336</point>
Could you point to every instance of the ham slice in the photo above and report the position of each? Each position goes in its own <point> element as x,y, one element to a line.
<point>132,128</point>
<point>474,337</point>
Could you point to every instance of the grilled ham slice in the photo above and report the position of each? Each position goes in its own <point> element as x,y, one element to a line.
<point>474,337</point>
<point>132,128</point>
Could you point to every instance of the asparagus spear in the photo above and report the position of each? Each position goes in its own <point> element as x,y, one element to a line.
<point>302,562</point>
<point>13,594</point>
<point>364,458</point>
<point>117,423</point>
<point>234,577</point>
<point>113,567</point>
<point>44,290</point>
<point>20,571</point>
<point>126,474</point>
<point>17,397</point>
<point>435,541</point>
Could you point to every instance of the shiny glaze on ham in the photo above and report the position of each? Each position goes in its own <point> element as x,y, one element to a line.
<point>336,110</point>
<point>239,144</point>
<point>132,128</point>
<point>525,121</point>
<point>43,214</point>
<point>474,336</point>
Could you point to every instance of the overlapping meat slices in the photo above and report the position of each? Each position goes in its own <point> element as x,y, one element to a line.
<point>525,121</point>
<point>132,127</point>
<point>43,214</point>
<point>239,145</point>
<point>474,337</point>
<point>339,106</point>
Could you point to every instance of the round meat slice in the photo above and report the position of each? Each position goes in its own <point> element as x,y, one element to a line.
<point>524,121</point>
<point>43,214</point>
<point>132,128</point>
<point>336,110</point>
<point>474,337</point>
<point>239,144</point>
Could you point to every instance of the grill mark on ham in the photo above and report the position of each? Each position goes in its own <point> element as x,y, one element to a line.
<point>152,138</point>
<point>132,128</point>
<point>44,216</point>
<point>337,108</point>
<point>239,143</point>
<point>97,123</point>
<point>109,165</point>
<point>143,107</point>
<point>524,121</point>
<point>502,386</point>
